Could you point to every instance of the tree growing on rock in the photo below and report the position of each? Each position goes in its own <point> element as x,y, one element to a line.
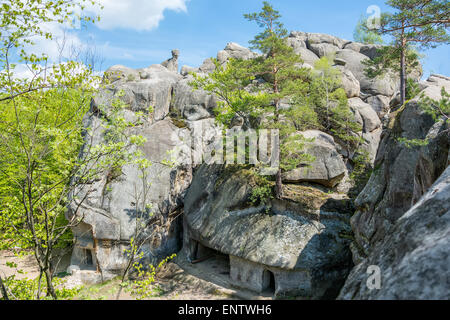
<point>423,23</point>
<point>258,87</point>
<point>329,102</point>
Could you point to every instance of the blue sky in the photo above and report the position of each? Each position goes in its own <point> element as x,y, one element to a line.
<point>143,32</point>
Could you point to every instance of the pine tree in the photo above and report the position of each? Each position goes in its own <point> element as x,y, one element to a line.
<point>420,22</point>
<point>278,65</point>
<point>258,86</point>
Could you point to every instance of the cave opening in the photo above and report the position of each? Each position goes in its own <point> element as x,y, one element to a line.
<point>269,285</point>
<point>87,258</point>
<point>212,260</point>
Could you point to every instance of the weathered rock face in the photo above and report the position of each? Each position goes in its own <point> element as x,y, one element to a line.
<point>328,168</point>
<point>402,174</point>
<point>110,212</point>
<point>413,258</point>
<point>300,241</point>
<point>172,63</point>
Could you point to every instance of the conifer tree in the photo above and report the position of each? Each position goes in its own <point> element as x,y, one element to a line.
<point>258,86</point>
<point>415,22</point>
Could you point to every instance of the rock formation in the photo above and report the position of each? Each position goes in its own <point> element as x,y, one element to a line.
<point>303,243</point>
<point>172,63</point>
<point>299,239</point>
<point>413,258</point>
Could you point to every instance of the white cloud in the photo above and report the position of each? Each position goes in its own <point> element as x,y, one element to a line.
<point>60,47</point>
<point>140,15</point>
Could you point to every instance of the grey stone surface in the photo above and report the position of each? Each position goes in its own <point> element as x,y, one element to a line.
<point>172,63</point>
<point>323,49</point>
<point>385,85</point>
<point>349,82</point>
<point>413,258</point>
<point>303,242</point>
<point>328,168</point>
<point>192,104</point>
<point>316,38</point>
<point>119,72</point>
<point>380,104</point>
<point>391,189</point>
<point>370,120</point>
<point>218,217</point>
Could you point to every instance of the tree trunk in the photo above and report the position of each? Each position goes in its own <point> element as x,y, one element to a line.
<point>279,181</point>
<point>279,185</point>
<point>50,289</point>
<point>403,69</point>
<point>3,289</point>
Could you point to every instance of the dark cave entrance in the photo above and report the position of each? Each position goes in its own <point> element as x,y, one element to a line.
<point>269,285</point>
<point>87,261</point>
<point>211,260</point>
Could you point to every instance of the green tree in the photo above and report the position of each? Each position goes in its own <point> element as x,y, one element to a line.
<point>41,134</point>
<point>423,23</point>
<point>329,102</point>
<point>278,78</point>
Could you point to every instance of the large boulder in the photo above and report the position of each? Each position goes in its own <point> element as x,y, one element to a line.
<point>119,72</point>
<point>323,49</point>
<point>139,95</point>
<point>288,239</point>
<point>317,38</point>
<point>235,51</point>
<point>380,104</point>
<point>386,84</point>
<point>192,104</point>
<point>369,50</point>
<point>112,209</point>
<point>368,116</point>
<point>349,82</point>
<point>328,168</point>
<point>413,257</point>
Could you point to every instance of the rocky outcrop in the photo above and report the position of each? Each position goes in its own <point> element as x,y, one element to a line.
<point>172,63</point>
<point>402,174</point>
<point>413,258</point>
<point>328,167</point>
<point>110,211</point>
<point>301,241</point>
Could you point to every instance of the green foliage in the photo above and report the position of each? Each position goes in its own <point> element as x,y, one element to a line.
<point>413,143</point>
<point>329,102</point>
<point>229,83</point>
<point>143,287</point>
<point>412,89</point>
<point>361,169</point>
<point>48,159</point>
<point>387,59</point>
<point>262,190</point>
<point>255,89</point>
<point>26,289</point>
<point>54,151</point>
<point>423,23</point>
<point>439,110</point>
